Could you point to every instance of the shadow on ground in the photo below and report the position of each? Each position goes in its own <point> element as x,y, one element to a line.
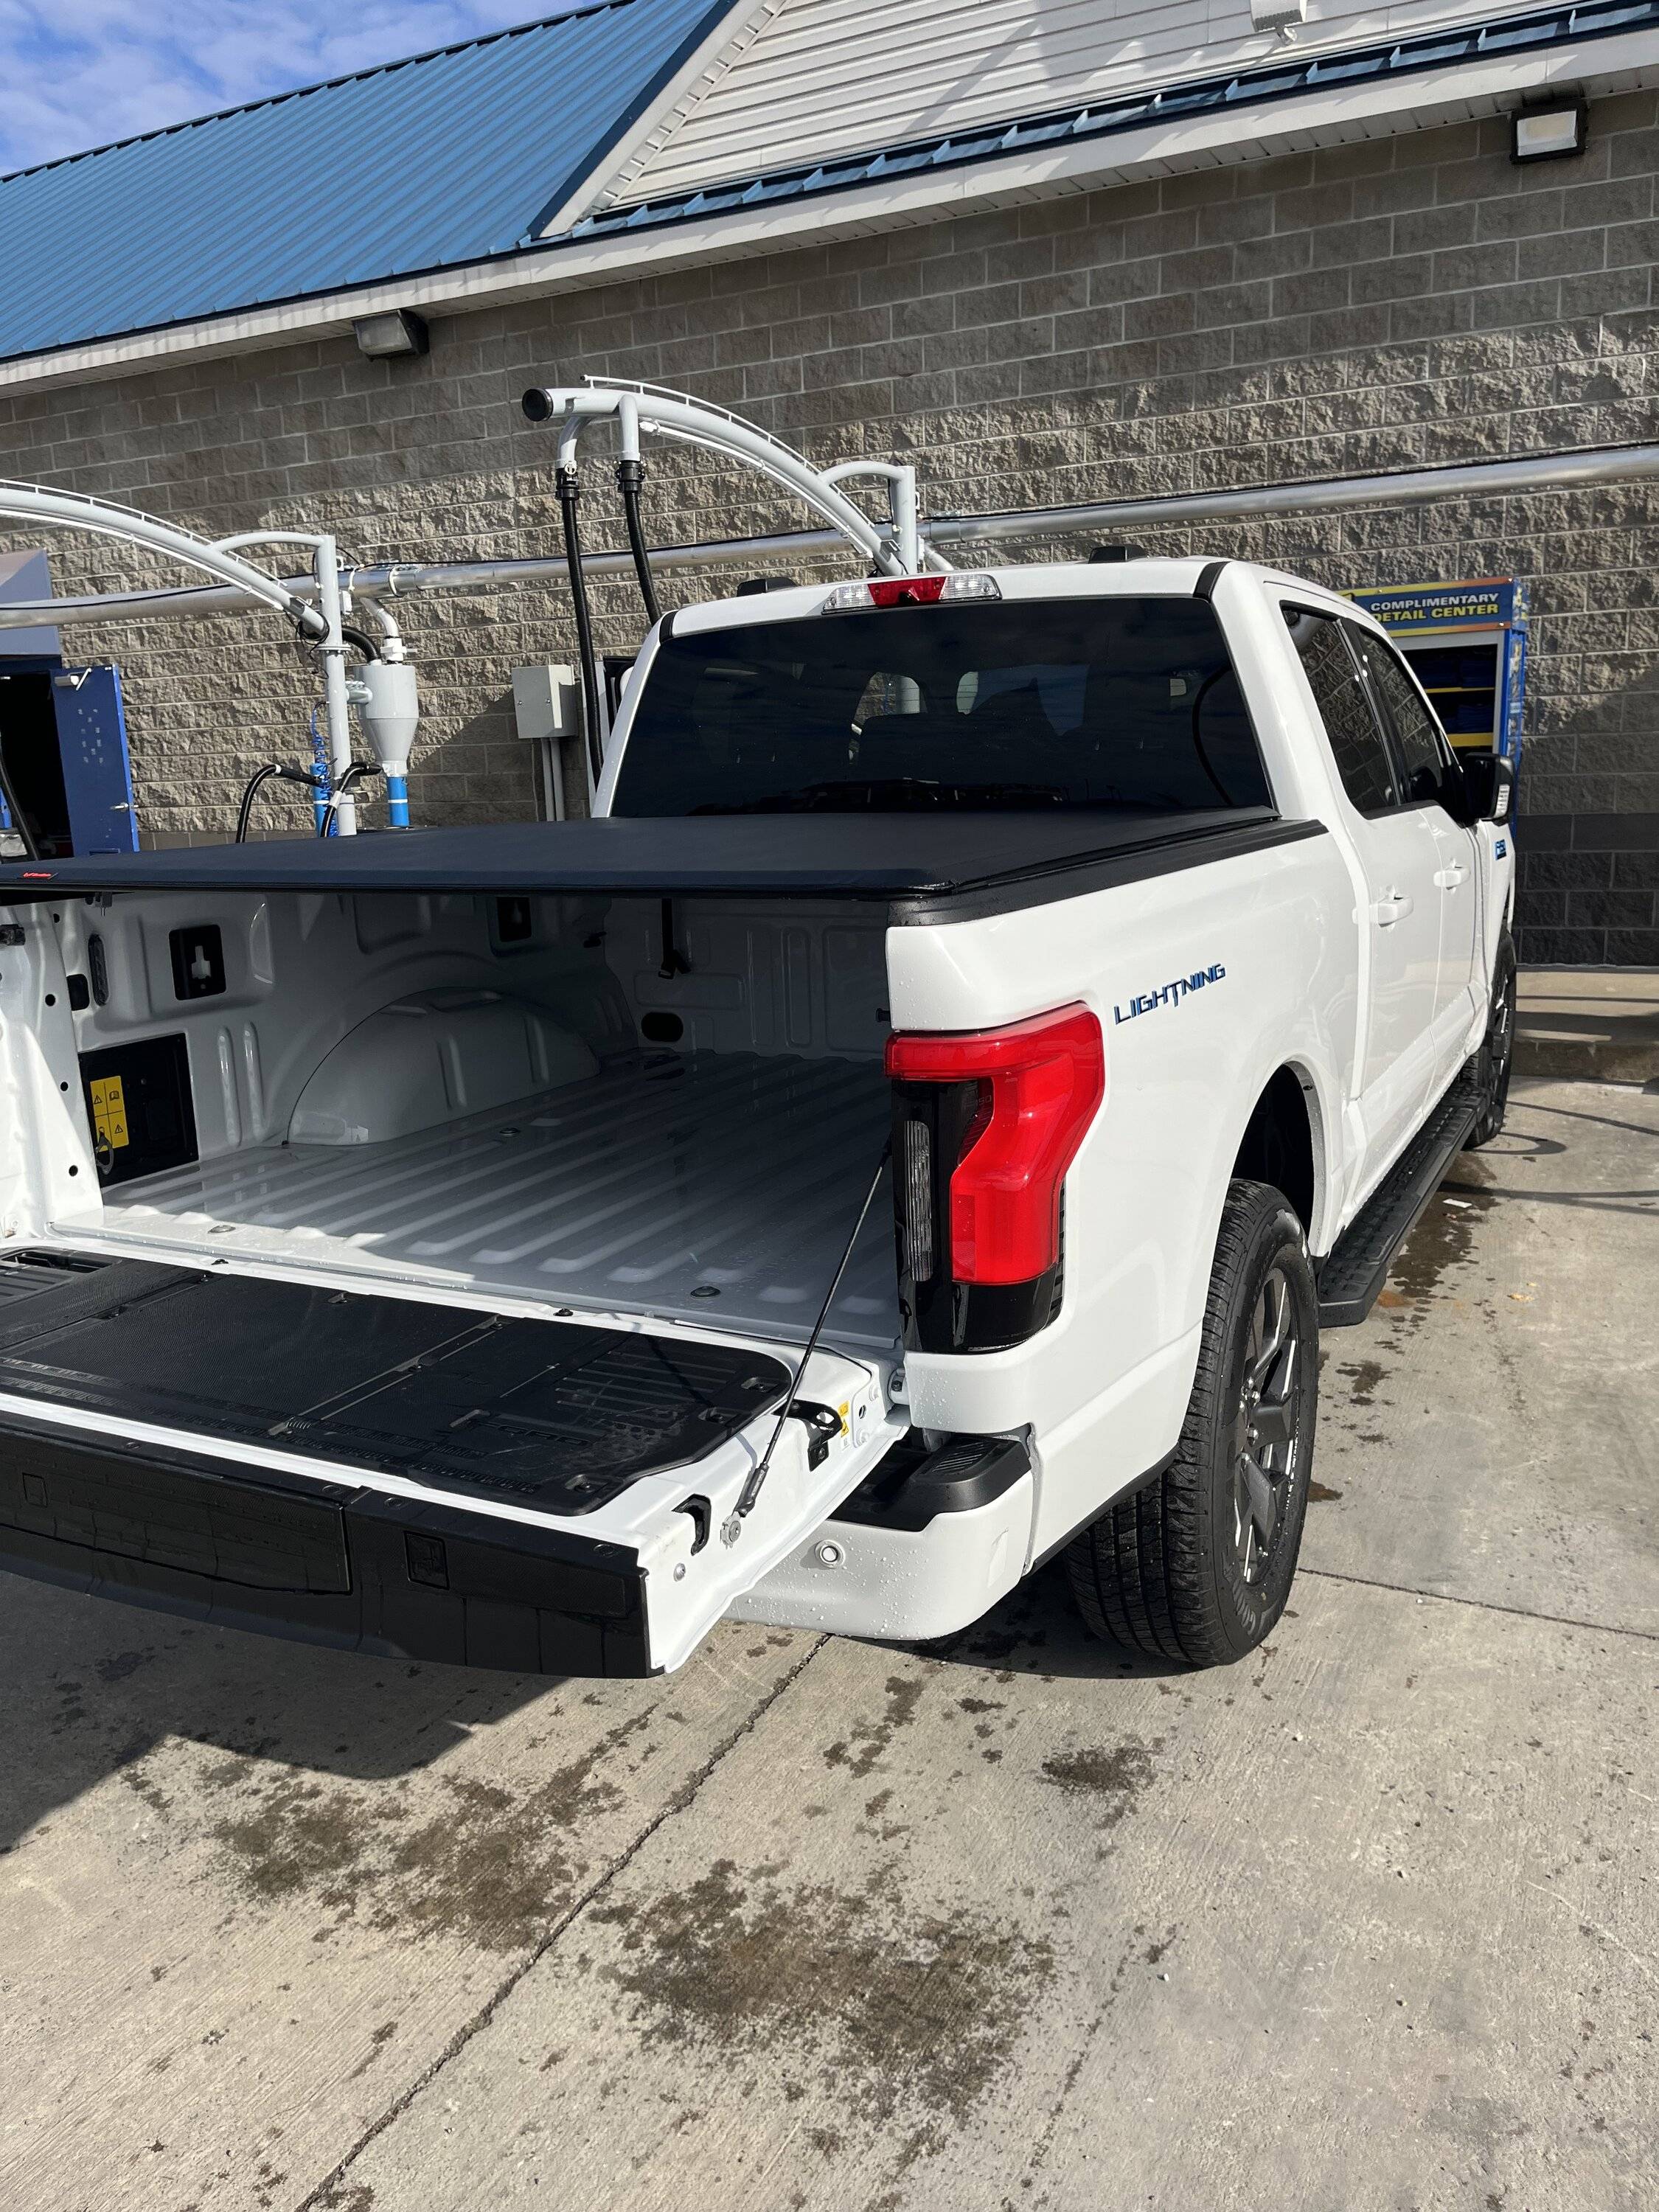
<point>93,1686</point>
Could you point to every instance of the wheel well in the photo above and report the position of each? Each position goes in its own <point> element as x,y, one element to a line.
<point>1277,1145</point>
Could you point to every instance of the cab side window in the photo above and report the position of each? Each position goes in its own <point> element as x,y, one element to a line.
<point>1361,750</point>
<point>1424,758</point>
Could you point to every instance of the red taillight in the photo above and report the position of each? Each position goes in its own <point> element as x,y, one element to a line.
<point>1042,1082</point>
<point>905,590</point>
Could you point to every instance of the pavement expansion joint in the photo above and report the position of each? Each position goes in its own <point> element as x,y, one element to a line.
<point>1479,1604</point>
<point>326,2193</point>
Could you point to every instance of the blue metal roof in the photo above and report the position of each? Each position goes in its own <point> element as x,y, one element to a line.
<point>1566,24</point>
<point>448,157</point>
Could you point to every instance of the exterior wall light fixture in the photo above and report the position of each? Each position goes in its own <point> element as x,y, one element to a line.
<point>400,330</point>
<point>1552,133</point>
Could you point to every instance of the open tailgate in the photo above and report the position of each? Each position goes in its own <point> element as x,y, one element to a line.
<point>547,1493</point>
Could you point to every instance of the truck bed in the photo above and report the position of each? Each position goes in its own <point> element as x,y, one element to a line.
<point>719,1187</point>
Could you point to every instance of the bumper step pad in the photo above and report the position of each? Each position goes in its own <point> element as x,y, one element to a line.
<point>1353,1273</point>
<point>551,1414</point>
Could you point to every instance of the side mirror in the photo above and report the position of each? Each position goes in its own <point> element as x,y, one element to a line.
<point>1489,785</point>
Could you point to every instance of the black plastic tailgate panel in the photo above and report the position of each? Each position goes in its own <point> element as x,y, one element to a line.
<point>547,1413</point>
<point>325,1563</point>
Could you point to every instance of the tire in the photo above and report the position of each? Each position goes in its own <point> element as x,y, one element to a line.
<point>1492,1064</point>
<point>1169,1571</point>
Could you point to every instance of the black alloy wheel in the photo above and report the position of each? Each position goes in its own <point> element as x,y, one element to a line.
<point>1494,1062</point>
<point>1194,1565</point>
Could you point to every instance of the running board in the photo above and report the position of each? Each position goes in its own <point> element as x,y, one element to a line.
<point>1352,1275</point>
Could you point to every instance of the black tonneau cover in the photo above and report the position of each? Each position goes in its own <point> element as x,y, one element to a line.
<point>926,867</point>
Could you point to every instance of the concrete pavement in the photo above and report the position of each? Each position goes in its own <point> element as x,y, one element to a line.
<point>1369,1921</point>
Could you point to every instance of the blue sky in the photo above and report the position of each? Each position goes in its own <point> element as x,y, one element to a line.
<point>78,73</point>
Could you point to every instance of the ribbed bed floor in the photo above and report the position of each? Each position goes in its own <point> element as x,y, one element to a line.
<point>721,1186</point>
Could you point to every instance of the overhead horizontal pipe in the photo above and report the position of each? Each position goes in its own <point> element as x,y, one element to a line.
<point>1594,465</point>
<point>1585,468</point>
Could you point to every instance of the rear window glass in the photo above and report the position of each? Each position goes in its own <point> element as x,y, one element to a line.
<point>1117,704</point>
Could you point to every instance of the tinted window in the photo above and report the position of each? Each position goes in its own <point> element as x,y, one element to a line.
<point>1361,751</point>
<point>1422,748</point>
<point>1109,704</point>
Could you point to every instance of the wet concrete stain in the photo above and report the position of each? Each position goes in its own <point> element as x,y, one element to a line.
<point>1115,1777</point>
<point>1319,1493</point>
<point>896,2013</point>
<point>866,1741</point>
<point>1443,1240</point>
<point>1363,1376</point>
<point>137,1777</point>
<point>377,2042</point>
<point>491,1868</point>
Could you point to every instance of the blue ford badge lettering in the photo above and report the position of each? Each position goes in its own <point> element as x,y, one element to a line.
<point>1168,994</point>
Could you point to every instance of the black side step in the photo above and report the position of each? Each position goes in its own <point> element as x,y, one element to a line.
<point>1351,1276</point>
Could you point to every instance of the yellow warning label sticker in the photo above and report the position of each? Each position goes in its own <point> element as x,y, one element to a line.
<point>109,1111</point>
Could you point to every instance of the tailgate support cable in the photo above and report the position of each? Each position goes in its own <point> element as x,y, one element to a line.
<point>751,1489</point>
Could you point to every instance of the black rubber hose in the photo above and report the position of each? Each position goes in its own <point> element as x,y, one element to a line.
<point>630,476</point>
<point>565,484</point>
<point>352,776</point>
<point>256,782</point>
<point>361,638</point>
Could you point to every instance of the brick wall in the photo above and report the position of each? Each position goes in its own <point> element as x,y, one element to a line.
<point>1376,306</point>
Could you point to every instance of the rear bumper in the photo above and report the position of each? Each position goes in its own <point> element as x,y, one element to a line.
<point>327,1563</point>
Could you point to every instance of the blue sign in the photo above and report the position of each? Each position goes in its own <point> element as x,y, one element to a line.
<point>1478,602</point>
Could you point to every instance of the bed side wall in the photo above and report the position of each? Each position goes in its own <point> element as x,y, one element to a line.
<point>1103,1388</point>
<point>302,971</point>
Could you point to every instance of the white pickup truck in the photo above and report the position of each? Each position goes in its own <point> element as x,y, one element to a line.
<point>922,1123</point>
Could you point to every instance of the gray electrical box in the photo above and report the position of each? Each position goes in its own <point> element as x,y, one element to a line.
<point>547,706</point>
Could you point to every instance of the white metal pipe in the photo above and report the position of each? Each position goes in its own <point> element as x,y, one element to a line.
<point>1589,465</point>
<point>410,579</point>
<point>407,579</point>
<point>673,415</point>
<point>325,574</point>
<point>333,652</point>
<point>901,483</point>
<point>64,510</point>
<point>393,648</point>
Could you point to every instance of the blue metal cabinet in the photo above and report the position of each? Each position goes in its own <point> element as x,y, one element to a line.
<point>64,740</point>
<point>92,744</point>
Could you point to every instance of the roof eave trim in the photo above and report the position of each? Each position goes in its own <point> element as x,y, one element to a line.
<point>1391,108</point>
<point>702,60</point>
<point>1292,75</point>
<point>579,186</point>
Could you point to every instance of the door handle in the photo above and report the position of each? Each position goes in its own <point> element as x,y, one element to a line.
<point>1448,879</point>
<point>1392,906</point>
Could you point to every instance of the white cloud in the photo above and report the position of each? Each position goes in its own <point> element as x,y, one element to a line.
<point>79,73</point>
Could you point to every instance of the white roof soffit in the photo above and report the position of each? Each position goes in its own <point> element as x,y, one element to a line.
<point>1387,108</point>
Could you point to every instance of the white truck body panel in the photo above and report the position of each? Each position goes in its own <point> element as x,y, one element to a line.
<point>1351,953</point>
